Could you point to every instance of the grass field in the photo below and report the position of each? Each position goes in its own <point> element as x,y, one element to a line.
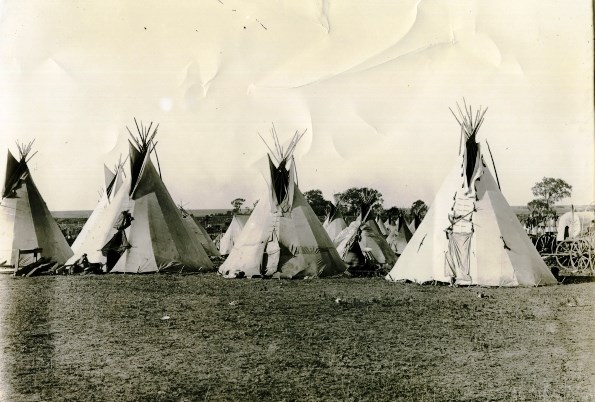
<point>107,338</point>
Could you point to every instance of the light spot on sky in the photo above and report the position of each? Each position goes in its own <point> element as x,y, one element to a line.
<point>166,104</point>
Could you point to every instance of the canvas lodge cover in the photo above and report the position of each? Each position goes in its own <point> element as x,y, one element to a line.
<point>470,235</point>
<point>232,233</point>
<point>283,237</point>
<point>139,229</point>
<point>28,232</point>
<point>334,222</point>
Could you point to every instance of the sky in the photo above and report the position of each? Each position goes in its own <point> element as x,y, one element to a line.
<point>370,82</point>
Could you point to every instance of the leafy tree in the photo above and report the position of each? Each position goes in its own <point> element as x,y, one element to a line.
<point>316,201</point>
<point>537,207</point>
<point>392,213</point>
<point>551,190</point>
<point>538,210</point>
<point>419,209</point>
<point>237,204</point>
<point>351,199</point>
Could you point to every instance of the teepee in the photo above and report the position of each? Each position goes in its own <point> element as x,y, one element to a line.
<point>97,225</point>
<point>414,224</point>
<point>470,235</point>
<point>200,232</point>
<point>383,229</point>
<point>232,233</point>
<point>28,231</point>
<point>138,227</point>
<point>399,235</point>
<point>334,222</point>
<point>283,237</point>
<point>361,245</point>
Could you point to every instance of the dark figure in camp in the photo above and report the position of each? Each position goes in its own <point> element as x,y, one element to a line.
<point>124,221</point>
<point>80,265</point>
<point>114,248</point>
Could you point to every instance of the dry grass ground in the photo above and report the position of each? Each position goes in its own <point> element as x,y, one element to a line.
<point>105,338</point>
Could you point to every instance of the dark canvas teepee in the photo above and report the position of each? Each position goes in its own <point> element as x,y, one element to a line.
<point>200,232</point>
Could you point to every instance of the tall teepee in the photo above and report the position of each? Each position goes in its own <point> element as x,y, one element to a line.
<point>26,224</point>
<point>94,233</point>
<point>140,229</point>
<point>470,235</point>
<point>283,237</point>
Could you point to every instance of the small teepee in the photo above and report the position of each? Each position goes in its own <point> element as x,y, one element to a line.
<point>232,233</point>
<point>414,224</point>
<point>28,232</point>
<point>470,235</point>
<point>283,237</point>
<point>361,245</point>
<point>334,222</point>
<point>200,232</point>
<point>383,229</point>
<point>399,235</point>
<point>139,228</point>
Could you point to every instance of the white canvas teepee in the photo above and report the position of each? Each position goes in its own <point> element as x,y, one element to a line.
<point>334,222</point>
<point>362,246</point>
<point>96,231</point>
<point>139,228</point>
<point>283,237</point>
<point>232,233</point>
<point>399,235</point>
<point>25,221</point>
<point>470,235</point>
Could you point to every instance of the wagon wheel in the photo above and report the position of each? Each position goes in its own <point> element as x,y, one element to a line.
<point>583,264</point>
<point>581,255</point>
<point>552,244</point>
<point>546,244</point>
<point>563,254</point>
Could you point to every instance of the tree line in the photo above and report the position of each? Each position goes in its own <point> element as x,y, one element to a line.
<point>348,203</point>
<point>547,193</point>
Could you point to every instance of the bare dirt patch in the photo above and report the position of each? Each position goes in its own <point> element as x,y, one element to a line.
<point>201,337</point>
